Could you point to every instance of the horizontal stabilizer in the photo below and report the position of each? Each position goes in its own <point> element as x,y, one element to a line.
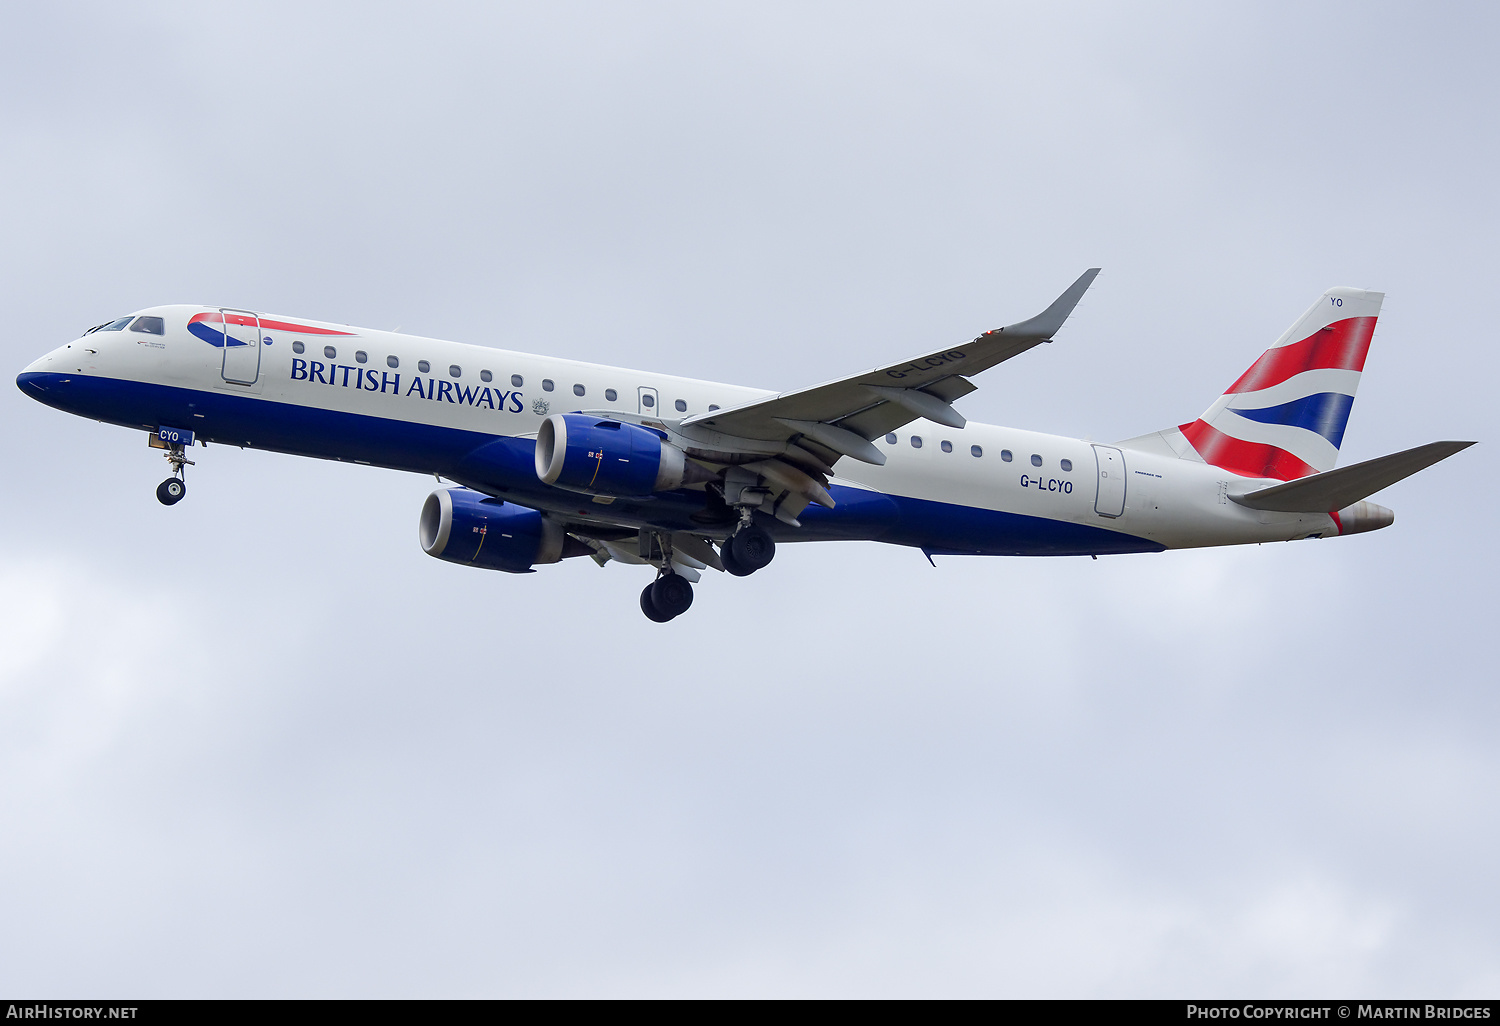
<point>1334,490</point>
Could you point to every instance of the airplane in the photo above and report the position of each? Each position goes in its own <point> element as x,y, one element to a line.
<point>556,458</point>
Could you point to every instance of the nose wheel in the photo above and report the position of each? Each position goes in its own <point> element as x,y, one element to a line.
<point>171,491</point>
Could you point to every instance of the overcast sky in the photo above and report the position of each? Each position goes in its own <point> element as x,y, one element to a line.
<point>259,744</point>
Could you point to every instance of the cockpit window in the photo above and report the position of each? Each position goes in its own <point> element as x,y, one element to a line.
<point>114,325</point>
<point>150,325</point>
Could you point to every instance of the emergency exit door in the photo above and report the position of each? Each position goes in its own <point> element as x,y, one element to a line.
<point>241,346</point>
<point>1109,500</point>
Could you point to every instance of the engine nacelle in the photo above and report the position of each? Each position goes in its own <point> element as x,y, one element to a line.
<point>468,527</point>
<point>610,457</point>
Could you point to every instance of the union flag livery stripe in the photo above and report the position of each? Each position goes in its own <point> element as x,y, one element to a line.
<point>1326,414</point>
<point>202,326</point>
<point>1342,345</point>
<point>1248,459</point>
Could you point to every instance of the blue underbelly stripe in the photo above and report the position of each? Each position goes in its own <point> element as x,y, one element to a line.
<point>504,466</point>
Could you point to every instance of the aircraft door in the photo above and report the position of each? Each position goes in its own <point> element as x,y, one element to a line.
<point>241,346</point>
<point>648,402</point>
<point>1109,501</point>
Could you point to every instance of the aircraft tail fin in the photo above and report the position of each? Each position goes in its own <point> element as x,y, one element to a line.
<point>1284,418</point>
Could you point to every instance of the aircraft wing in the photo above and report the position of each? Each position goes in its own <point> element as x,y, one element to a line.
<point>840,418</point>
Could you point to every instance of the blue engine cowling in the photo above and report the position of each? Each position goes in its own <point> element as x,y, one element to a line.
<point>609,457</point>
<point>468,527</point>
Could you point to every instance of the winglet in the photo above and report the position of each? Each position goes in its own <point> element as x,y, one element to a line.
<point>1049,321</point>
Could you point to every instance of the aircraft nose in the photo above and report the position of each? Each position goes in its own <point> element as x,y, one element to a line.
<point>42,374</point>
<point>38,365</point>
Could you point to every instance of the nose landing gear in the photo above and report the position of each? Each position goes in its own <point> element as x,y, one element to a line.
<point>171,491</point>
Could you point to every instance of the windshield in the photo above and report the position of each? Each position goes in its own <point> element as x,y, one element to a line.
<point>150,325</point>
<point>111,326</point>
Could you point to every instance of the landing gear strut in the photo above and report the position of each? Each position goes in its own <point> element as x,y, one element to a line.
<point>171,491</point>
<point>668,596</point>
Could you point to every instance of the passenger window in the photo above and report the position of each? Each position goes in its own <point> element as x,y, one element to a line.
<point>648,400</point>
<point>546,384</point>
<point>455,371</point>
<point>916,441</point>
<point>330,353</point>
<point>390,361</point>
<point>360,356</point>
<point>149,325</point>
<point>947,446</point>
<point>1005,455</point>
<point>485,375</point>
<point>578,390</point>
<point>1036,461</point>
<point>298,347</point>
<point>681,405</point>
<point>890,439</point>
<point>423,366</point>
<point>1067,466</point>
<point>610,395</point>
<point>516,381</point>
<point>711,407</point>
<point>975,450</point>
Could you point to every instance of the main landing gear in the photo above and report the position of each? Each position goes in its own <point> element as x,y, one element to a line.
<point>749,549</point>
<point>171,491</point>
<point>667,597</point>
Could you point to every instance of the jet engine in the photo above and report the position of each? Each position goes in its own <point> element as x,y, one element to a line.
<point>609,457</point>
<point>470,528</point>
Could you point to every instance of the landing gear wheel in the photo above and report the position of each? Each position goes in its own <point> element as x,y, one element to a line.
<point>171,491</point>
<point>671,595</point>
<point>731,565</point>
<point>753,548</point>
<point>649,608</point>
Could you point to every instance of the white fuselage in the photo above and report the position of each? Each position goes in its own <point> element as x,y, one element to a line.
<point>479,391</point>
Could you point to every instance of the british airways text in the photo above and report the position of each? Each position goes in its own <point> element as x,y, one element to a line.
<point>434,389</point>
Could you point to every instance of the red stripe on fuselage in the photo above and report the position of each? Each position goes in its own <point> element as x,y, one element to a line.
<point>300,329</point>
<point>1343,345</point>
<point>1248,459</point>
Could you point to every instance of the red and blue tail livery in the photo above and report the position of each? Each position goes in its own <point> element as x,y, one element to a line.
<point>1284,418</point>
<point>554,458</point>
